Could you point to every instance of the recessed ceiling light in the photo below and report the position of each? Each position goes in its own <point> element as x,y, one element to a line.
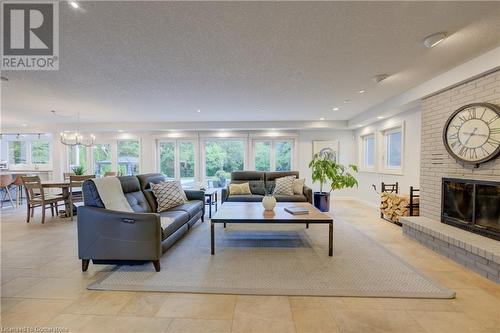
<point>379,78</point>
<point>321,118</point>
<point>380,117</point>
<point>434,39</point>
<point>335,109</point>
<point>4,78</point>
<point>346,101</point>
<point>362,91</point>
<point>120,131</point>
<point>198,111</point>
<point>74,4</point>
<point>24,125</point>
<point>359,125</point>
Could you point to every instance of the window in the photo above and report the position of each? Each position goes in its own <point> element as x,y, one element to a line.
<point>17,152</point>
<point>128,157</point>
<point>40,152</point>
<point>27,151</point>
<point>262,152</point>
<point>223,157</point>
<point>177,160</point>
<point>186,161</point>
<point>77,156</point>
<point>283,155</point>
<point>272,155</point>
<point>102,160</point>
<point>368,151</point>
<point>167,159</point>
<point>393,149</point>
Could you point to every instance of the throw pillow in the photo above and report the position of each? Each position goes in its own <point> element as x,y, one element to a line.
<point>168,194</point>
<point>284,185</point>
<point>298,186</point>
<point>243,188</point>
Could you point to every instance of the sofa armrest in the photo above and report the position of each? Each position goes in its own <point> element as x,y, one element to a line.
<point>224,194</point>
<point>108,234</point>
<point>195,195</point>
<point>308,192</point>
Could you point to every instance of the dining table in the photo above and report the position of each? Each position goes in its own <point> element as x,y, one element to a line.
<point>64,186</point>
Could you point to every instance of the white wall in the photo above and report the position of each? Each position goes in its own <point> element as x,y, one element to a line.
<point>411,157</point>
<point>305,152</point>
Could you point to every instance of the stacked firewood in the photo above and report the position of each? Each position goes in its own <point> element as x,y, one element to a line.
<point>394,205</point>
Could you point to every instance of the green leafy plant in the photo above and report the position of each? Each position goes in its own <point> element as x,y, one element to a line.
<point>326,171</point>
<point>78,170</point>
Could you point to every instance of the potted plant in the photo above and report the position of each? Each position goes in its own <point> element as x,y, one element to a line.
<point>78,170</point>
<point>327,172</point>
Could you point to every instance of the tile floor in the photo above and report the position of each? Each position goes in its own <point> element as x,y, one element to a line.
<point>42,286</point>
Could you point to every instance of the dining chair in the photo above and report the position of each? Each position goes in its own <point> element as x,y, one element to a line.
<point>75,196</point>
<point>18,183</point>
<point>66,175</point>
<point>36,197</point>
<point>110,174</point>
<point>6,182</point>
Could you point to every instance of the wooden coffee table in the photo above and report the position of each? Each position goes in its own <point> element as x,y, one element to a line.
<point>253,212</point>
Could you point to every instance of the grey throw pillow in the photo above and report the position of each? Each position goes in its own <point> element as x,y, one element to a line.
<point>168,194</point>
<point>284,185</point>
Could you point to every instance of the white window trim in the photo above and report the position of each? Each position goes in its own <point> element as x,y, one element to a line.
<point>177,168</point>
<point>273,141</point>
<point>383,167</point>
<point>361,155</point>
<point>29,156</point>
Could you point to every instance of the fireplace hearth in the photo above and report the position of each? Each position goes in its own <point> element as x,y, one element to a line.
<point>472,205</point>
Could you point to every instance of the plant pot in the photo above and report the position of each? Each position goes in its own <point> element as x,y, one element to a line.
<point>322,201</point>
<point>269,202</point>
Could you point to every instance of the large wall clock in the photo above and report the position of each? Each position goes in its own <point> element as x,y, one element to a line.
<point>472,133</point>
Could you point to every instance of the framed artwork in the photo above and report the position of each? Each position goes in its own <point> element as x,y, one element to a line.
<point>328,149</point>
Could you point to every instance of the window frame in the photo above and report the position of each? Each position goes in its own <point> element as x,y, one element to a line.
<point>272,160</point>
<point>28,140</point>
<point>139,158</point>
<point>177,168</point>
<point>384,133</point>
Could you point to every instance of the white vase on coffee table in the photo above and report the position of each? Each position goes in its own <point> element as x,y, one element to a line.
<point>269,202</point>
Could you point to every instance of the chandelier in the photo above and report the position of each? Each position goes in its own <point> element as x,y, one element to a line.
<point>76,138</point>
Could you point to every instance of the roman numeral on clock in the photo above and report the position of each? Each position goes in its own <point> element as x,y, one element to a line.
<point>495,130</point>
<point>492,120</point>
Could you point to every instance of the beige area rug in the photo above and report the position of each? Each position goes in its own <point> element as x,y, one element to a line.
<point>277,260</point>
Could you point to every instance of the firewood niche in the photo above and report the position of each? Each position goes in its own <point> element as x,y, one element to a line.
<point>394,205</point>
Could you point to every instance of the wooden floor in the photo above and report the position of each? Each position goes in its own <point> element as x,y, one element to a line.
<point>42,285</point>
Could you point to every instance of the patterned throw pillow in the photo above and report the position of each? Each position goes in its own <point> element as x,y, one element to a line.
<point>168,194</point>
<point>243,188</point>
<point>284,185</point>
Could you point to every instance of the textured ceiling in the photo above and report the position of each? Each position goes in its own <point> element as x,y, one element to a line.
<point>242,61</point>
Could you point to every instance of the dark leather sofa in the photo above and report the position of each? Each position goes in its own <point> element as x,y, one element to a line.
<point>112,237</point>
<point>259,182</point>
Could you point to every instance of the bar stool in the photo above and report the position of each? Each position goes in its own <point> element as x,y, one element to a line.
<point>18,183</point>
<point>6,182</point>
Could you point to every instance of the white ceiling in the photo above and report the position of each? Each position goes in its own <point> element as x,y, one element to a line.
<point>242,61</point>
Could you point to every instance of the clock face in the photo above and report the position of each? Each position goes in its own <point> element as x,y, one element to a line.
<point>472,133</point>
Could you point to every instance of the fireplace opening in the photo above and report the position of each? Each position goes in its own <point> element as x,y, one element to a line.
<point>473,205</point>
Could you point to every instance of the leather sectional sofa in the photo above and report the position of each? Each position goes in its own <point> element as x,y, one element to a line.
<point>113,237</point>
<point>259,182</point>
